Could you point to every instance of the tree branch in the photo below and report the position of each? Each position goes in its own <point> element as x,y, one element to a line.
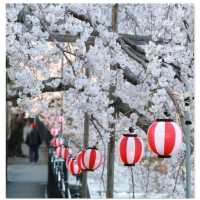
<point>143,122</point>
<point>132,53</point>
<point>78,16</point>
<point>104,146</point>
<point>47,88</point>
<point>129,44</point>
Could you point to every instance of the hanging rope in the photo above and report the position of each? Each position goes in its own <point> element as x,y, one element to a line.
<point>178,172</point>
<point>104,149</point>
<point>106,130</point>
<point>99,136</point>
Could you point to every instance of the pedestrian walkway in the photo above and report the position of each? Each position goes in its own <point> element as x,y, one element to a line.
<point>27,180</point>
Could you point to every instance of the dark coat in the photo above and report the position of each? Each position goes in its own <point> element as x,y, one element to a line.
<point>33,138</point>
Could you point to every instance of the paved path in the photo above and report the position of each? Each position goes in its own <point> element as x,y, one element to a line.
<point>26,190</point>
<point>26,180</point>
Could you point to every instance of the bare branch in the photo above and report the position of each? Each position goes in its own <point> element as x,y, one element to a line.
<point>132,53</point>
<point>58,45</point>
<point>143,122</point>
<point>178,172</point>
<point>104,146</point>
<point>114,17</point>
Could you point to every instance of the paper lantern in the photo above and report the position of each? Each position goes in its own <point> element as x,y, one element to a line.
<point>60,119</point>
<point>131,149</point>
<point>79,159</point>
<point>92,158</point>
<point>73,167</point>
<point>164,137</point>
<point>53,142</point>
<point>34,125</point>
<point>59,141</point>
<point>58,151</point>
<point>65,152</point>
<point>54,131</point>
<point>67,161</point>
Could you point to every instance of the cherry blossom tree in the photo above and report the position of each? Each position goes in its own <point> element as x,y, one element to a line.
<point>115,66</point>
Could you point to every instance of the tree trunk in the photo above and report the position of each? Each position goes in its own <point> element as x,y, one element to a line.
<point>187,131</point>
<point>188,160</point>
<point>110,162</point>
<point>185,120</point>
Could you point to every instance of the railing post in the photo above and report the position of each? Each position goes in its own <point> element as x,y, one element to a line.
<point>52,188</point>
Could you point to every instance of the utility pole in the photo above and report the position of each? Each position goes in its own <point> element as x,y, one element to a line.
<point>111,143</point>
<point>84,187</point>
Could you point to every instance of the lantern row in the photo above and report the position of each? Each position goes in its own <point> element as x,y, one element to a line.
<point>164,139</point>
<point>86,160</point>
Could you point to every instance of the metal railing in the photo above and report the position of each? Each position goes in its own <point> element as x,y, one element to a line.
<point>58,184</point>
<point>57,176</point>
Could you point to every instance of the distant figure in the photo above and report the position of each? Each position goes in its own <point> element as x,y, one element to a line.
<point>16,135</point>
<point>26,130</point>
<point>33,140</point>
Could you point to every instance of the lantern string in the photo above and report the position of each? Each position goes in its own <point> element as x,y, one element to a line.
<point>106,130</point>
<point>104,149</point>
<point>178,172</point>
<point>99,136</point>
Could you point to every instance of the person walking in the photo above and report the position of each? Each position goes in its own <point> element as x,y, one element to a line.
<point>26,130</point>
<point>33,140</point>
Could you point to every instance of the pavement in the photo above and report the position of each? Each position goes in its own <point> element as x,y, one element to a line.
<point>25,179</point>
<point>24,190</point>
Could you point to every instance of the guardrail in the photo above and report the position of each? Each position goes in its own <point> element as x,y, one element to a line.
<point>57,176</point>
<point>58,184</point>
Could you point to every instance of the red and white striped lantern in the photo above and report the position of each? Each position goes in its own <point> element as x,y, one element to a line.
<point>54,132</point>
<point>73,167</point>
<point>60,119</point>
<point>67,161</point>
<point>59,141</point>
<point>53,142</point>
<point>58,151</point>
<point>79,159</point>
<point>92,159</point>
<point>131,149</point>
<point>164,137</point>
<point>65,152</point>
